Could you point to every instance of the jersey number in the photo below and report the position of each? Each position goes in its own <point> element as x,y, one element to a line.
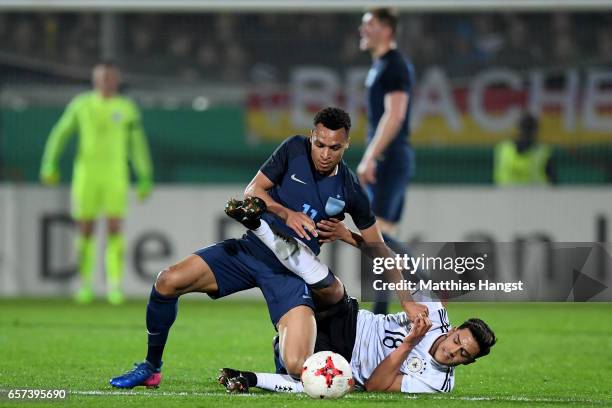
<point>306,209</point>
<point>393,339</point>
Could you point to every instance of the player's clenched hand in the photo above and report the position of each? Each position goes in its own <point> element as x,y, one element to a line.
<point>366,171</point>
<point>331,230</point>
<point>415,310</point>
<point>301,224</point>
<point>419,328</point>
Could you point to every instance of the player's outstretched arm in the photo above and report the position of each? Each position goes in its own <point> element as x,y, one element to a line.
<point>396,106</point>
<point>297,221</point>
<point>387,376</point>
<point>61,133</point>
<point>374,247</point>
<point>370,241</point>
<point>140,157</point>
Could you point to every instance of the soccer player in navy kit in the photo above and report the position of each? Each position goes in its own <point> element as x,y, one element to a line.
<point>304,182</point>
<point>388,162</point>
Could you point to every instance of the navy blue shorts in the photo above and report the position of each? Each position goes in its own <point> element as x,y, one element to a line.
<point>241,264</point>
<point>393,175</point>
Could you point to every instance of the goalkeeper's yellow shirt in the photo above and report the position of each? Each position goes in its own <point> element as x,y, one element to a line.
<point>110,133</point>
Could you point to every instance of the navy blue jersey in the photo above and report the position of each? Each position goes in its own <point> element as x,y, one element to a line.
<point>299,187</point>
<point>389,73</point>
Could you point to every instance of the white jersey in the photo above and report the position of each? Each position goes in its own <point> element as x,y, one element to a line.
<point>379,335</point>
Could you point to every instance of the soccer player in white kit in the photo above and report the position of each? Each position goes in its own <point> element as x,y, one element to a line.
<point>386,352</point>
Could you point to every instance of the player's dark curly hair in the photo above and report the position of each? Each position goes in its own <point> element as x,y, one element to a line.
<point>482,333</point>
<point>333,118</point>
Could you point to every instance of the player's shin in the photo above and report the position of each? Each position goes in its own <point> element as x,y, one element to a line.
<point>86,258</point>
<point>115,249</point>
<point>86,254</point>
<point>161,313</point>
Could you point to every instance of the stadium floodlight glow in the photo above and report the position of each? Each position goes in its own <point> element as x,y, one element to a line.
<point>302,5</point>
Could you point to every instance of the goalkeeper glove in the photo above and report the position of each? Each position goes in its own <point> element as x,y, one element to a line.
<point>49,175</point>
<point>144,188</point>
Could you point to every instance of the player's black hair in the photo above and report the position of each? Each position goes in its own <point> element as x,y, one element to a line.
<point>333,118</point>
<point>386,15</point>
<point>482,333</point>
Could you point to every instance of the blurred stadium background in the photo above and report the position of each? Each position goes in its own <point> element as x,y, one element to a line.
<point>221,86</point>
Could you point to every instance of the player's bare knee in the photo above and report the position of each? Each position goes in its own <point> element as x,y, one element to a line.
<point>168,281</point>
<point>161,282</point>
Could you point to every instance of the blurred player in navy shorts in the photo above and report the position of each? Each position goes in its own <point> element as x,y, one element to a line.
<point>388,162</point>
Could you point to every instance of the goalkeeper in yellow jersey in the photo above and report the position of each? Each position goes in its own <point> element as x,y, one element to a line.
<point>110,132</point>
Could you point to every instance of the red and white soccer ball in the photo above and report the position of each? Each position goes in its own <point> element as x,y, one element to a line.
<point>327,375</point>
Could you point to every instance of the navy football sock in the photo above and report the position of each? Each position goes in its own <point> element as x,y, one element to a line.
<point>161,313</point>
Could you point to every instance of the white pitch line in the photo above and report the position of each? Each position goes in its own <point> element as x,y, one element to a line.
<point>480,398</point>
<point>356,396</point>
<point>359,395</point>
<point>156,393</point>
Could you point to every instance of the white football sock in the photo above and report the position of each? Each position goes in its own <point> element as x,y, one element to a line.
<point>303,262</point>
<point>278,383</point>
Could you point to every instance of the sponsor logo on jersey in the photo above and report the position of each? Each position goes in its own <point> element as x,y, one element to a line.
<point>371,77</point>
<point>415,365</point>
<point>294,178</point>
<point>334,206</point>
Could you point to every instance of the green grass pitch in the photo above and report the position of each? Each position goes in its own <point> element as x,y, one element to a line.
<point>547,355</point>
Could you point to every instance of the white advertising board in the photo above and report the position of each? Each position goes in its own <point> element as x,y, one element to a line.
<point>37,256</point>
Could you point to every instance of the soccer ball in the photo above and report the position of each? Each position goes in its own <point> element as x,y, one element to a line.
<point>327,375</point>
